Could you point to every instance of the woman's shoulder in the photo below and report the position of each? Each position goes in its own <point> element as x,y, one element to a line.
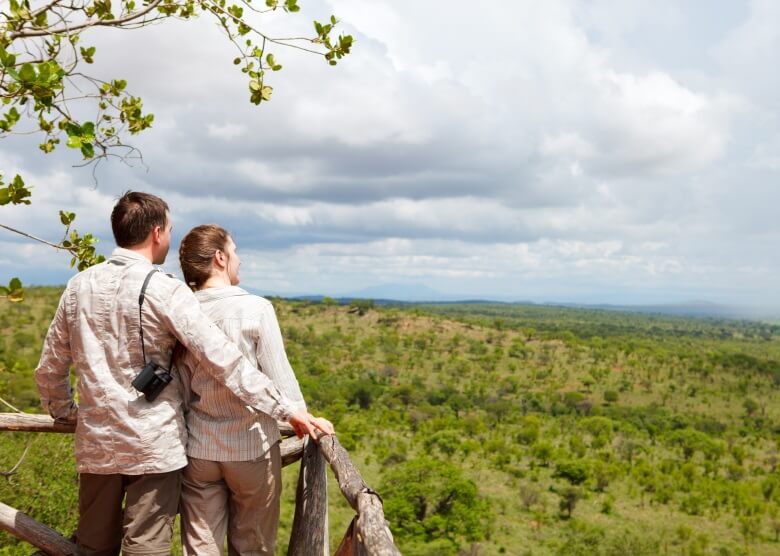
<point>252,306</point>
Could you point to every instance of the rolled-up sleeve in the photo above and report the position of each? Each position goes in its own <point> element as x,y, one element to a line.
<point>272,357</point>
<point>52,376</point>
<point>220,357</point>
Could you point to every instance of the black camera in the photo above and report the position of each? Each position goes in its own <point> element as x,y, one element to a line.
<point>151,381</point>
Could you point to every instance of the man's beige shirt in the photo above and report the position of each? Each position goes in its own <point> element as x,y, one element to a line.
<point>221,426</point>
<point>96,328</point>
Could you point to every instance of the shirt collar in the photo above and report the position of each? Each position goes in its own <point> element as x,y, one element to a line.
<point>121,252</point>
<point>212,294</point>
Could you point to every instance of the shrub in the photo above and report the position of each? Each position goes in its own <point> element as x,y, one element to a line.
<point>611,396</point>
<point>430,499</point>
<point>576,472</point>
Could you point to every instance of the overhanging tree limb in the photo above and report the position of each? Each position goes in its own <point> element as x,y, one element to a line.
<point>42,60</point>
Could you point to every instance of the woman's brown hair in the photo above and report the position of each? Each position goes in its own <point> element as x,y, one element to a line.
<point>196,253</point>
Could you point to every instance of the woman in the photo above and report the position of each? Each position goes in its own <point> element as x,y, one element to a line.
<point>232,484</point>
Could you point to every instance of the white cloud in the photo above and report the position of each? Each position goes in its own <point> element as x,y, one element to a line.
<point>227,131</point>
<point>767,155</point>
<point>524,145</point>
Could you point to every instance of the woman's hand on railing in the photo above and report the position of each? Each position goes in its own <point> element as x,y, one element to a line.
<point>304,423</point>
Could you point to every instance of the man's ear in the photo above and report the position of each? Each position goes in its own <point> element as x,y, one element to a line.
<point>156,231</point>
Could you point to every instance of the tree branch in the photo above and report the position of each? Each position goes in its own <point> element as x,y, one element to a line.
<point>25,234</point>
<point>98,23</point>
<point>215,8</point>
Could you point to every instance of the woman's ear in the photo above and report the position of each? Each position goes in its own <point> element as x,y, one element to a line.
<point>219,258</point>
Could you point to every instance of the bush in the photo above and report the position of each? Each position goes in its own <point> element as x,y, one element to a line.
<point>429,499</point>
<point>611,396</point>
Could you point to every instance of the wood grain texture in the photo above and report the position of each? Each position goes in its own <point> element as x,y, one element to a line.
<point>291,450</point>
<point>31,422</point>
<point>35,533</point>
<point>371,534</point>
<point>309,536</point>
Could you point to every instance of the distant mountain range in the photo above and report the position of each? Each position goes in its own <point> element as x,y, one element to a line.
<point>418,293</point>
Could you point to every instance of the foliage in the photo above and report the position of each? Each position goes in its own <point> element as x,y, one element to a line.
<point>433,499</point>
<point>47,87</point>
<point>576,472</point>
<point>665,472</point>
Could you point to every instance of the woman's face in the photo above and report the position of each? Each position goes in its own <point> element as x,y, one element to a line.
<point>233,262</point>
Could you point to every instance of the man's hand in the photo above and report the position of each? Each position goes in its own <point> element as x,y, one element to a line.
<point>304,423</point>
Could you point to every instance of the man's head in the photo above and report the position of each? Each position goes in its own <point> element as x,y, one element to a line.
<point>141,220</point>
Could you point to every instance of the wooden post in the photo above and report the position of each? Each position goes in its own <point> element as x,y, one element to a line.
<point>368,534</point>
<point>35,533</point>
<point>371,531</point>
<point>309,536</point>
<point>291,450</point>
<point>371,534</point>
<point>32,423</point>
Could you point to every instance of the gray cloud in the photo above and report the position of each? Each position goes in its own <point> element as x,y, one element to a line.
<point>523,146</point>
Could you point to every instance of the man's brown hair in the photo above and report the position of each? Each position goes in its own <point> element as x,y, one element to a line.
<point>196,253</point>
<point>135,215</point>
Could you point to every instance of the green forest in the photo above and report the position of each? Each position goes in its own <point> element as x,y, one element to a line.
<point>499,429</point>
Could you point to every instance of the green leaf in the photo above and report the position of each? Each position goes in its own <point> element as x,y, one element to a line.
<point>67,217</point>
<point>7,59</point>
<point>88,130</point>
<point>74,142</point>
<point>87,150</point>
<point>72,129</point>
<point>14,292</point>
<point>266,92</point>
<point>49,145</point>
<point>255,85</point>
<point>27,73</point>
<point>16,296</point>
<point>16,193</point>
<point>87,54</point>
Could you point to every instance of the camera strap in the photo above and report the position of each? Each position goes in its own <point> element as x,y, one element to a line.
<point>140,321</point>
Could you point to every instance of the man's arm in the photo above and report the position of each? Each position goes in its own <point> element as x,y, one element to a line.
<point>272,357</point>
<point>222,358</point>
<point>272,360</point>
<point>52,376</point>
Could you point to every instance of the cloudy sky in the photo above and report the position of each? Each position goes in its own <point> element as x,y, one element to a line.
<point>572,151</point>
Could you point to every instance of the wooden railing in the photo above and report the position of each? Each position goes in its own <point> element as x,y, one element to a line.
<point>367,534</point>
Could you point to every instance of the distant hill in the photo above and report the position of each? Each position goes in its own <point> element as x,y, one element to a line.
<point>410,294</point>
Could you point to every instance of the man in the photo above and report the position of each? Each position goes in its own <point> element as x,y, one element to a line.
<point>128,447</point>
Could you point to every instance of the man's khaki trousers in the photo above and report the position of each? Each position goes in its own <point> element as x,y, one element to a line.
<point>239,499</point>
<point>143,527</point>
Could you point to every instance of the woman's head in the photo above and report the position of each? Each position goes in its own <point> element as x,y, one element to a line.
<point>208,251</point>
